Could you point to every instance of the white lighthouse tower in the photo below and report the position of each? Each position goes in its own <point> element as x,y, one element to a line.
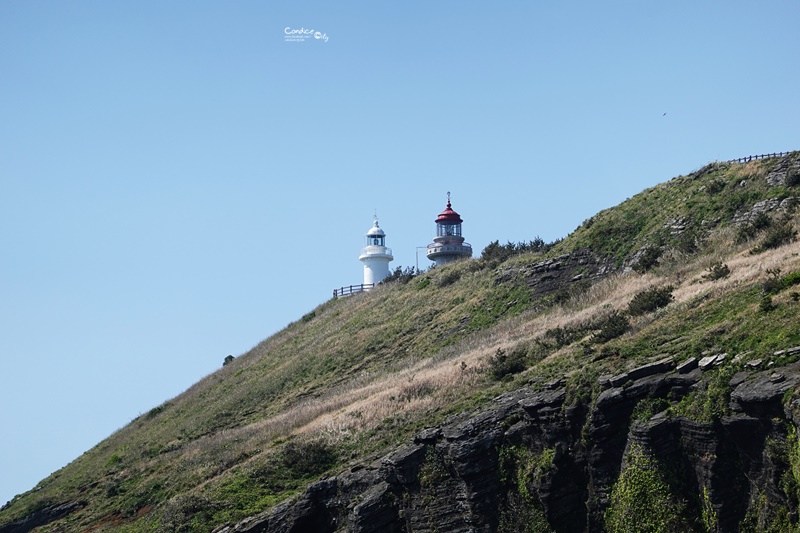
<point>375,256</point>
<point>448,245</point>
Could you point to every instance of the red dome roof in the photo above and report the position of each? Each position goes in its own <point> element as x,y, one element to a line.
<point>448,215</point>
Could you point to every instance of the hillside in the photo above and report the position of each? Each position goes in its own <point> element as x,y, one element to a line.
<point>540,387</point>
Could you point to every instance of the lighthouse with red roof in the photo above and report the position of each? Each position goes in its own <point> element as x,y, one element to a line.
<point>448,245</point>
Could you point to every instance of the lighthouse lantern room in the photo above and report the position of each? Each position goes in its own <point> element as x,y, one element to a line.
<point>448,245</point>
<point>375,256</point>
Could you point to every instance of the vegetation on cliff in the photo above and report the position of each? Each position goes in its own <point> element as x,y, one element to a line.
<point>705,264</point>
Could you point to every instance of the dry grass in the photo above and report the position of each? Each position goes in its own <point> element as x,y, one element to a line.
<point>355,406</point>
<point>364,404</point>
<point>745,269</point>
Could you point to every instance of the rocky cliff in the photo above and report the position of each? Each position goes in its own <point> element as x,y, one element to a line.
<point>536,455</point>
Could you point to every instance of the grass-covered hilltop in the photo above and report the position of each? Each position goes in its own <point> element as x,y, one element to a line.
<point>639,375</point>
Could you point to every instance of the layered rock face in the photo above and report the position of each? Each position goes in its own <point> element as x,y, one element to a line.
<point>42,517</point>
<point>539,454</point>
<point>560,273</point>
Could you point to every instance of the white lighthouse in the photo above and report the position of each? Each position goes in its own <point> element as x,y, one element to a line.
<point>375,256</point>
<point>448,245</point>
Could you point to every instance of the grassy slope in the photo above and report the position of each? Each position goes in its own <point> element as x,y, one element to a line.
<point>360,374</point>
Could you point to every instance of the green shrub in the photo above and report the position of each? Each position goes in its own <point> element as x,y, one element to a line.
<point>449,278</point>
<point>647,408</point>
<point>565,336</point>
<point>791,279</point>
<point>642,500</point>
<point>717,270</point>
<point>400,274</point>
<point>523,472</point>
<point>433,471</point>
<point>648,259</point>
<point>497,253</point>
<point>188,512</point>
<point>777,235</point>
<point>689,241</point>
<point>308,458</point>
<point>775,283</point>
<point>765,515</point>
<point>156,410</point>
<point>710,400</point>
<point>503,364</point>
<point>792,476</point>
<point>582,386</point>
<point>766,304</point>
<point>707,513</point>
<point>714,186</point>
<point>611,327</point>
<point>751,228</point>
<point>649,300</point>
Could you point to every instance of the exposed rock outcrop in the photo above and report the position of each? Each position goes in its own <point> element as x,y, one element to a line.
<point>765,206</point>
<point>559,273</point>
<point>787,169</point>
<point>453,477</point>
<point>42,517</point>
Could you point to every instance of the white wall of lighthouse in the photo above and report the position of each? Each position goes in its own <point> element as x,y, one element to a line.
<point>375,256</point>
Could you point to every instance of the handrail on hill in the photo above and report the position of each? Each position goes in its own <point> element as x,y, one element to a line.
<point>352,289</point>
<point>754,157</point>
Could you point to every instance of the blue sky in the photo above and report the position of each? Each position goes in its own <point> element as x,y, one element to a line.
<point>178,181</point>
